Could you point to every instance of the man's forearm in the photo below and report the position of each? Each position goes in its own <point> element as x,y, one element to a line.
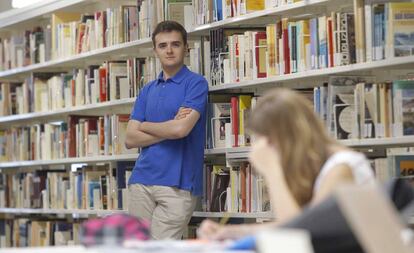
<point>177,128</point>
<point>140,139</point>
<point>170,129</point>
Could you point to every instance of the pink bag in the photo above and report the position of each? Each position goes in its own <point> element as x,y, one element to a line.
<point>114,229</point>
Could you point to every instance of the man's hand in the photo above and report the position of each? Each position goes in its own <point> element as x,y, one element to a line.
<point>182,113</point>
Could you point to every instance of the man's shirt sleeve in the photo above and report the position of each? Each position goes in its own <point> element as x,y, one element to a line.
<point>196,96</point>
<point>138,111</point>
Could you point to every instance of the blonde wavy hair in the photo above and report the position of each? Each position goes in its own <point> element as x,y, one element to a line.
<point>287,119</point>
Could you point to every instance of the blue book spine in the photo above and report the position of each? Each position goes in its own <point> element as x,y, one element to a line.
<point>79,187</point>
<point>219,9</point>
<point>314,43</point>
<point>316,100</point>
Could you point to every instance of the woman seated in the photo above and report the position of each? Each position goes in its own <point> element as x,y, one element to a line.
<point>300,163</point>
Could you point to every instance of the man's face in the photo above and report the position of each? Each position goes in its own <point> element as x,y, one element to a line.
<point>170,49</point>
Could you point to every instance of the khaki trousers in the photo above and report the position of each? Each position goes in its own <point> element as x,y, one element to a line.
<point>168,208</point>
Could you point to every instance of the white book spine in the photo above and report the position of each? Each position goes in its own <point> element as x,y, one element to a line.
<point>368,30</point>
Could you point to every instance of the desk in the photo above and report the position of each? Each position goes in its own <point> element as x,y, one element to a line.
<point>150,247</point>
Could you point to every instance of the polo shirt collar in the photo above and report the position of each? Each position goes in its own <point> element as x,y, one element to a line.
<point>178,77</point>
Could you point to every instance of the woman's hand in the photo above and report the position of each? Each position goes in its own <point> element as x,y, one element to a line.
<point>264,157</point>
<point>210,230</point>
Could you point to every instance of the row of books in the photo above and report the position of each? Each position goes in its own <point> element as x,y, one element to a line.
<point>359,107</point>
<point>112,80</point>
<point>399,163</point>
<point>401,166</point>
<point>374,31</point>
<point>79,136</point>
<point>70,33</point>
<point>86,187</point>
<point>291,45</point>
<point>240,189</point>
<point>83,32</point>
<point>35,233</point>
<point>208,11</point>
<point>235,189</point>
<point>353,107</point>
<point>383,30</point>
<point>226,119</point>
<point>29,47</point>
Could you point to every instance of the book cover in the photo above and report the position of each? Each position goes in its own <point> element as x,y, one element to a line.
<point>244,108</point>
<point>218,194</point>
<point>57,19</point>
<point>400,38</point>
<point>403,107</point>
<point>121,180</point>
<point>175,10</point>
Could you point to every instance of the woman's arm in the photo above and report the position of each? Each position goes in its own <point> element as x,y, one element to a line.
<point>265,159</point>
<point>339,174</point>
<point>212,230</point>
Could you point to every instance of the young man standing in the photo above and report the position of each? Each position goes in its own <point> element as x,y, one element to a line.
<point>168,123</point>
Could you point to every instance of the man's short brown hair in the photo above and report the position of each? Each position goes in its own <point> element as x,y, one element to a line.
<point>169,26</point>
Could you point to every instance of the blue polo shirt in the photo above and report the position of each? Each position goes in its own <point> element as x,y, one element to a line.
<point>176,163</point>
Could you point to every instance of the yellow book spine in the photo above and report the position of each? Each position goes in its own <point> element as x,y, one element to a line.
<point>255,5</point>
<point>245,102</point>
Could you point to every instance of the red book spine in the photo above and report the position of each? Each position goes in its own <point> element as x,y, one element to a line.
<point>330,44</point>
<point>286,50</point>
<point>101,136</point>
<point>72,135</point>
<point>102,85</point>
<point>260,41</point>
<point>73,86</point>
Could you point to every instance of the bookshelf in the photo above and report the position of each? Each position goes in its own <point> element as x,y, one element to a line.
<point>68,161</point>
<point>258,215</point>
<point>263,16</point>
<point>380,142</point>
<point>375,67</point>
<point>215,151</point>
<point>91,160</point>
<point>35,12</point>
<point>77,213</point>
<point>120,105</point>
<point>40,14</point>
<point>243,152</point>
<point>124,50</point>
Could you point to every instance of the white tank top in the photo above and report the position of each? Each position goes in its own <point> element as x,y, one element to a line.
<point>360,167</point>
